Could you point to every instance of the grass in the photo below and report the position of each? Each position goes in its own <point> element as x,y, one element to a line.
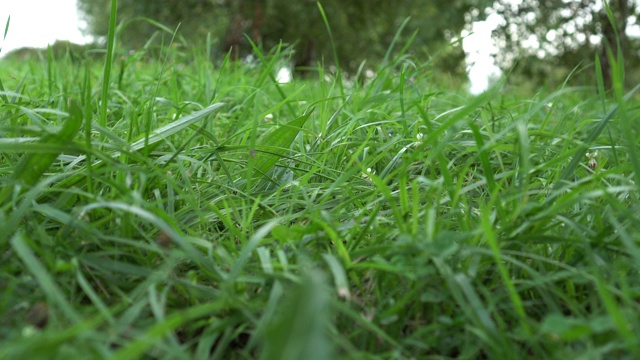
<point>180,209</point>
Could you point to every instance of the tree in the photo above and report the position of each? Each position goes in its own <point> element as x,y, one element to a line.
<point>553,34</point>
<point>194,17</point>
<point>362,29</point>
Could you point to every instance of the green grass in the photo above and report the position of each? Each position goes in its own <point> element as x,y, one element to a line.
<point>177,208</point>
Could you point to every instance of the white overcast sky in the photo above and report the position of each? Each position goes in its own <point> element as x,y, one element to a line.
<point>36,23</point>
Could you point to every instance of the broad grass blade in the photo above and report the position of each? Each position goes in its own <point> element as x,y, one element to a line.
<point>154,138</point>
<point>274,145</point>
<point>33,165</point>
<point>165,131</point>
<point>300,330</point>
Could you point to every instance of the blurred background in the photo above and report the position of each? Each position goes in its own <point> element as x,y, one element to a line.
<point>469,42</point>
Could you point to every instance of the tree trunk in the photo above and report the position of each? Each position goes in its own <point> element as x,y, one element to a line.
<point>244,13</point>
<point>257,23</point>
<point>234,36</point>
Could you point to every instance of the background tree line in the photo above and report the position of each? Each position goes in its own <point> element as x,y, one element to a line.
<point>545,40</point>
<point>362,29</point>
<point>548,38</point>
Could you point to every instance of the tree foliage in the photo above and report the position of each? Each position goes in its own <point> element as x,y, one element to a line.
<point>362,29</point>
<point>550,38</point>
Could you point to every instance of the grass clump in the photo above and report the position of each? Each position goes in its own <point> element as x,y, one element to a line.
<point>180,209</point>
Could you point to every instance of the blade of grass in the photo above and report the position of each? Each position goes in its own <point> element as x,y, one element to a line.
<point>108,63</point>
<point>613,309</point>
<point>269,66</point>
<point>137,348</point>
<point>33,166</point>
<point>396,36</point>
<point>597,130</point>
<point>154,138</point>
<point>275,144</point>
<point>333,47</point>
<point>300,332</point>
<point>490,236</point>
<point>602,95</point>
<point>88,111</point>
<point>43,276</point>
<point>339,276</point>
<point>6,31</point>
<point>161,133</point>
<point>194,254</point>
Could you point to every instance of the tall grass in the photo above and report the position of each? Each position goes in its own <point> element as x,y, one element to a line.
<point>210,212</point>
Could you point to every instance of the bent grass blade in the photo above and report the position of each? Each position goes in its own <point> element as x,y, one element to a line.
<point>276,143</point>
<point>154,137</point>
<point>33,165</point>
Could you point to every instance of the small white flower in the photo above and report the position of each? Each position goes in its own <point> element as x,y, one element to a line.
<point>366,174</point>
<point>593,163</point>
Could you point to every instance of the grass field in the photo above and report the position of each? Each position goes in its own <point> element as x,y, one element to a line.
<point>175,208</point>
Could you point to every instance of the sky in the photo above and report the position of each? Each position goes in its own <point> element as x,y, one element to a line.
<point>479,48</point>
<point>37,23</point>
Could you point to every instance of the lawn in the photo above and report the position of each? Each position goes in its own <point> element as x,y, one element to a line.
<point>171,207</point>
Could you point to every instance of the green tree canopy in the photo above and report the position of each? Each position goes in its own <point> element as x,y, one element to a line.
<point>362,29</point>
<point>550,38</point>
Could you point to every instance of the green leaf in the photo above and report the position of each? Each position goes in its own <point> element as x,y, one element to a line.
<point>276,143</point>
